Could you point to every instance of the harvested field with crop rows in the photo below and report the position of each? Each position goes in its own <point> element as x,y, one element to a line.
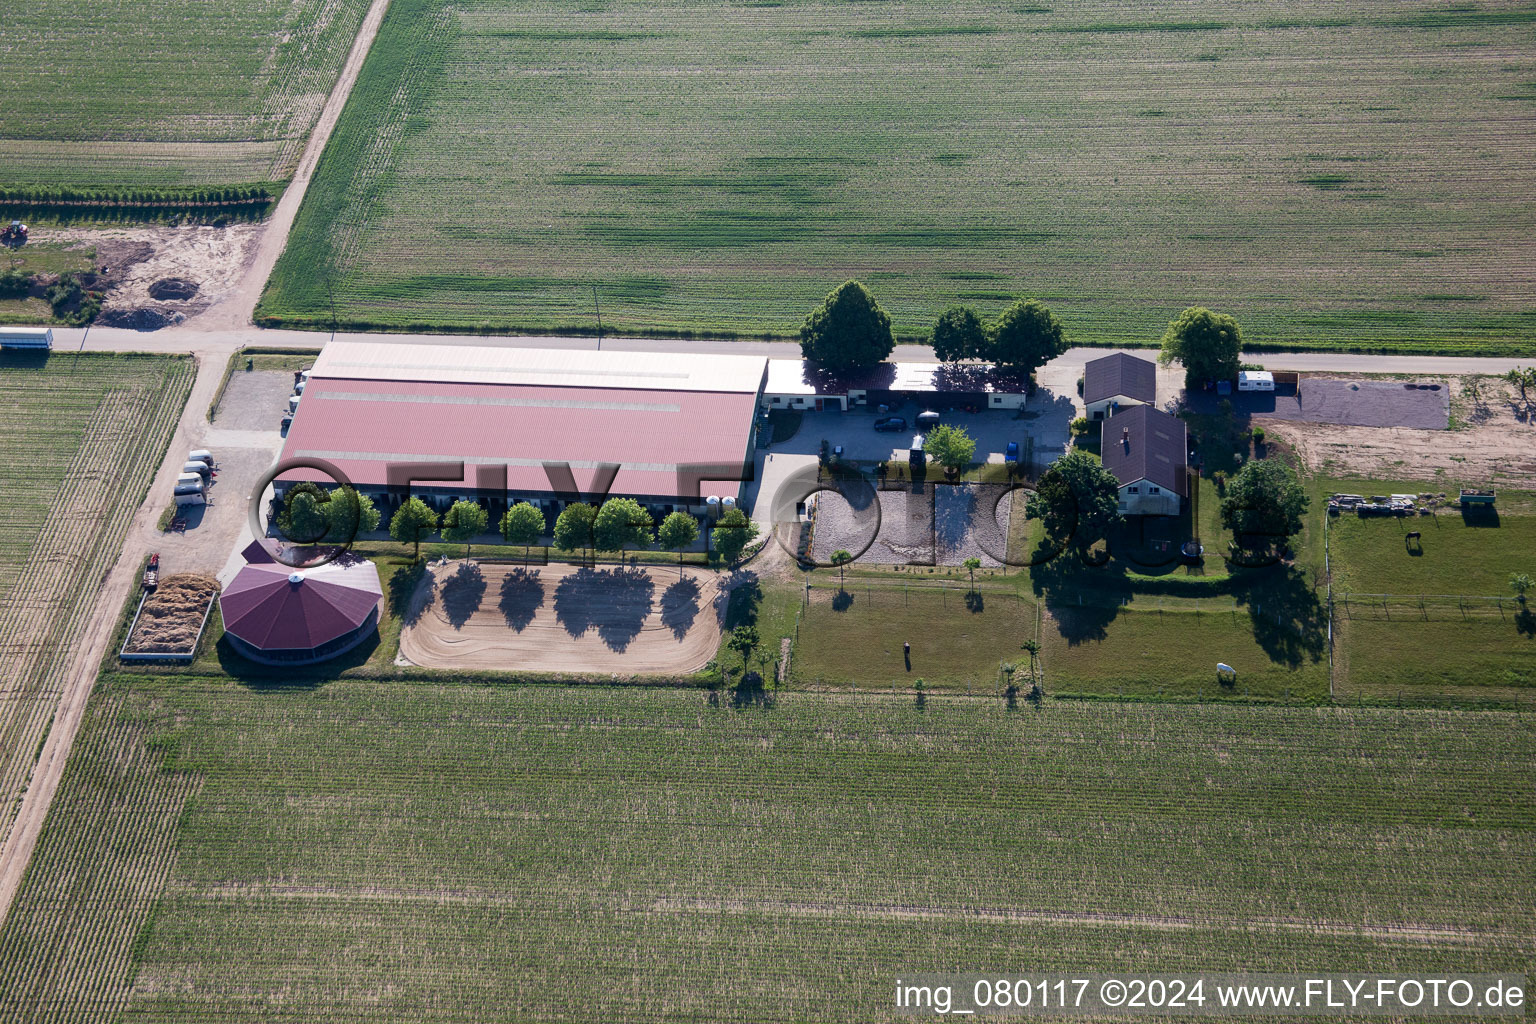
<point>80,439</point>
<point>188,92</point>
<point>376,851</point>
<point>1350,174</point>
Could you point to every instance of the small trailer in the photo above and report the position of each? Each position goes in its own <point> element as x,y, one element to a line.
<point>1255,380</point>
<point>1471,497</point>
<point>40,338</point>
<point>201,455</point>
<point>190,496</point>
<point>152,572</point>
<point>201,469</point>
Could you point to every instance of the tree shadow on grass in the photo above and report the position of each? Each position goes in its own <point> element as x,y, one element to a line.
<point>403,603</point>
<point>751,692</point>
<point>522,595</point>
<point>462,593</point>
<point>1083,598</point>
<point>737,599</point>
<point>974,602</point>
<point>842,600</point>
<point>1525,622</point>
<point>614,601</point>
<point>680,606</point>
<point>1289,620</point>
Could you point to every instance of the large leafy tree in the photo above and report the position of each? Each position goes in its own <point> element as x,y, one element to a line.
<point>1264,498</point>
<point>958,335</point>
<point>573,526</point>
<point>350,513</point>
<point>465,521</point>
<point>1209,345</point>
<point>678,531</point>
<point>732,532</point>
<point>522,524</point>
<point>848,330</point>
<point>1026,336</point>
<point>621,522</point>
<point>303,519</point>
<point>951,447</point>
<point>1076,497</point>
<point>412,522</point>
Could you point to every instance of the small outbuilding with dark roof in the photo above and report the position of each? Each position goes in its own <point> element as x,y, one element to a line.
<point>1147,451</point>
<point>1117,381</point>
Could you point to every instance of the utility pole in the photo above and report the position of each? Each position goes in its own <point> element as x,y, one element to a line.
<point>331,294</point>
<point>599,318</point>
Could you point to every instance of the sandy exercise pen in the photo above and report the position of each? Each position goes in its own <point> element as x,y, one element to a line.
<point>564,618</point>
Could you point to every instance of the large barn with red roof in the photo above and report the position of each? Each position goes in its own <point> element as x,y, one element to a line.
<point>505,423</point>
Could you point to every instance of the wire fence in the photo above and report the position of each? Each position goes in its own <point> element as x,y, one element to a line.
<point>1430,607</point>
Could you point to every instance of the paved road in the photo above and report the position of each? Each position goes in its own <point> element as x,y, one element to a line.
<point>189,338</point>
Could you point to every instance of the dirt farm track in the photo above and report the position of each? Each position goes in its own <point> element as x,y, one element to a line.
<point>564,618</point>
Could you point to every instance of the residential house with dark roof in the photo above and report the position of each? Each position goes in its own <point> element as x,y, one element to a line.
<point>1147,451</point>
<point>1117,381</point>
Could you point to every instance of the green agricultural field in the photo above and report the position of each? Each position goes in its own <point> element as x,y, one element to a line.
<point>1355,174</point>
<point>80,439</point>
<point>371,851</point>
<point>187,92</point>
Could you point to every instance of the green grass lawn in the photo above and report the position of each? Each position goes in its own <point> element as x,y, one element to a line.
<point>1446,659</point>
<point>372,851</point>
<point>136,94</point>
<point>719,167</point>
<point>958,638</point>
<point>1144,651</point>
<point>1472,555</point>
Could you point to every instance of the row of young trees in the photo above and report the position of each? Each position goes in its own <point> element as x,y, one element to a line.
<point>310,515</point>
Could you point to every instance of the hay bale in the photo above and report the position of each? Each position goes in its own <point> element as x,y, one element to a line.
<point>172,616</point>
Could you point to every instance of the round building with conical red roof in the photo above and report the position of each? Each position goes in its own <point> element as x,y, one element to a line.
<point>278,615</point>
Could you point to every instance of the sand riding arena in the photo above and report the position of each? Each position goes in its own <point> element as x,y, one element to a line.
<point>629,619</point>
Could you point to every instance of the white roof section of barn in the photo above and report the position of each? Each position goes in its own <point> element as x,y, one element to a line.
<point>453,363</point>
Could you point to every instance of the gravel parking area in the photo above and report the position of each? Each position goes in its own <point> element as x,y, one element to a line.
<point>1421,405</point>
<point>936,524</point>
<point>254,400</point>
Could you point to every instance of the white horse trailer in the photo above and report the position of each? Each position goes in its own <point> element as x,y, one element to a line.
<point>27,337</point>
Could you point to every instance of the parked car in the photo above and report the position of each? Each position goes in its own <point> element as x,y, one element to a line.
<point>891,424</point>
<point>1011,453</point>
<point>927,419</point>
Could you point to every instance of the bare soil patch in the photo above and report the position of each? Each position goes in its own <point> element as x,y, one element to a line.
<point>158,276</point>
<point>564,618</point>
<point>1493,440</point>
<point>173,615</point>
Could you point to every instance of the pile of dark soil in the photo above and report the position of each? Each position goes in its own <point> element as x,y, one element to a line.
<point>172,288</point>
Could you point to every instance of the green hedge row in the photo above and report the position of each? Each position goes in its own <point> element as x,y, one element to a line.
<point>147,198</point>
